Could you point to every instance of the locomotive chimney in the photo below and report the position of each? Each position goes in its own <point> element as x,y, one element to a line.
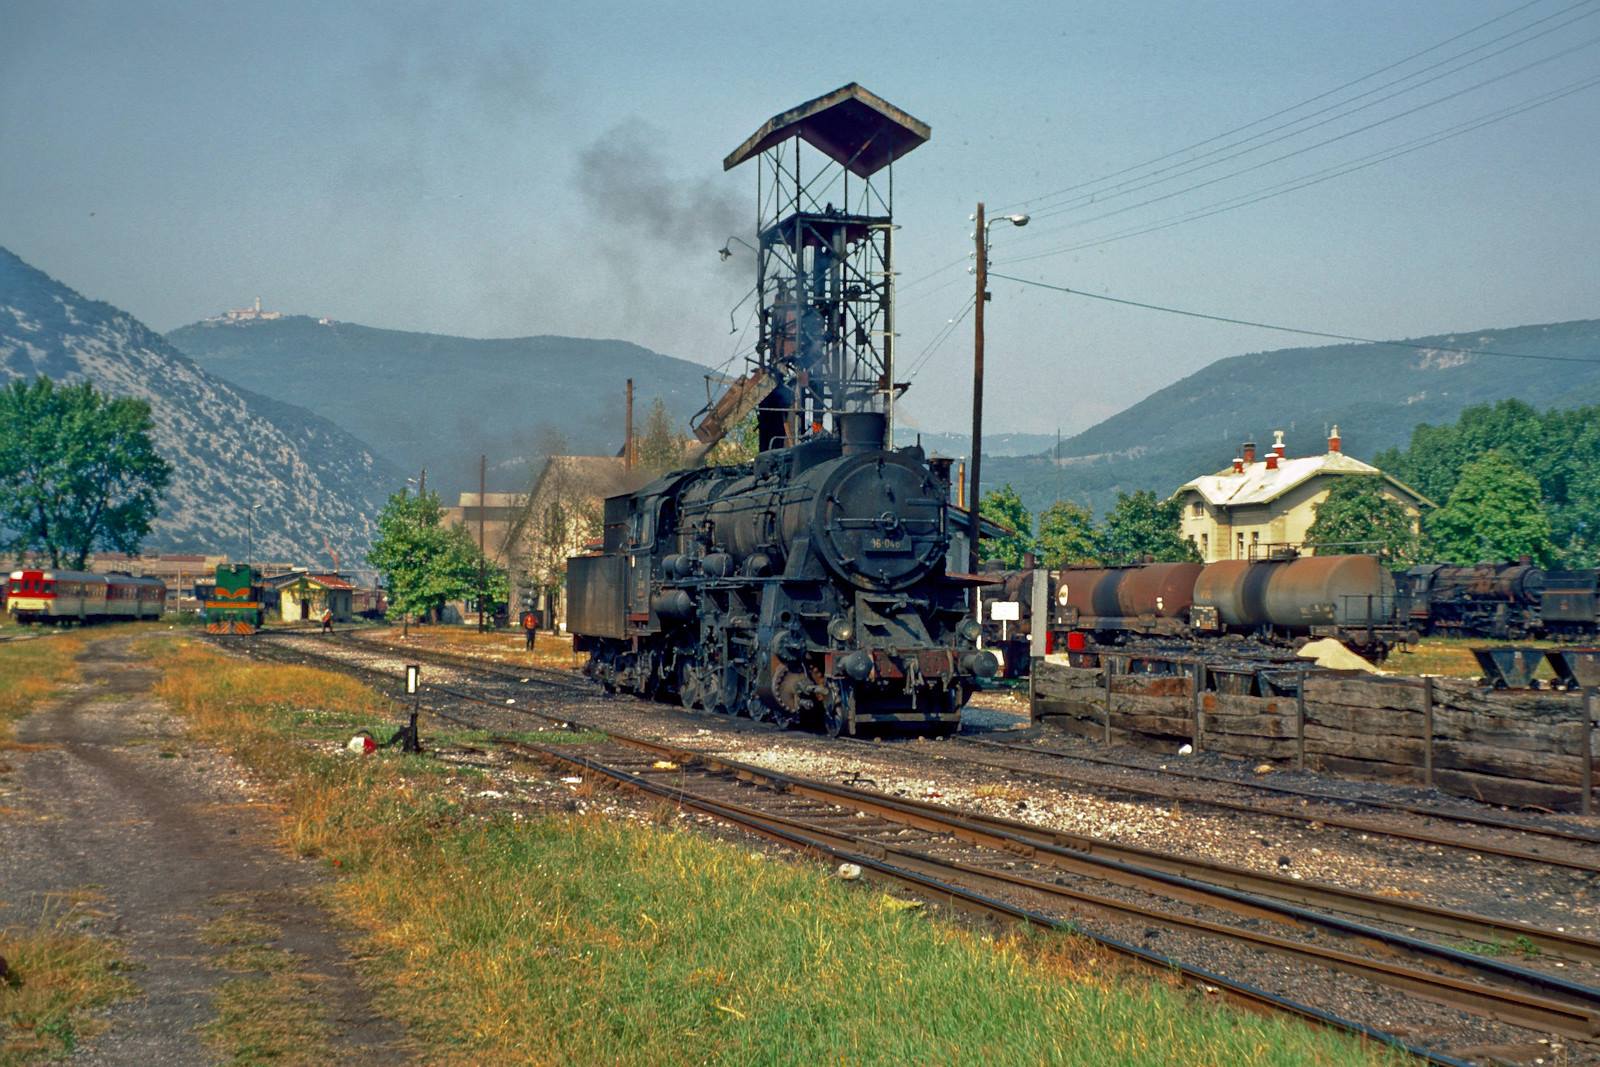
<point>1249,453</point>
<point>862,431</point>
<point>1333,439</point>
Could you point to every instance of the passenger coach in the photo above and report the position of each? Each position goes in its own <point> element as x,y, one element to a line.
<point>78,596</point>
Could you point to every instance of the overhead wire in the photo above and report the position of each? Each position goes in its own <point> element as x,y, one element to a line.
<point>1590,42</point>
<point>1194,165</point>
<point>1338,170</point>
<point>1281,111</point>
<point>1235,321</point>
<point>940,337</point>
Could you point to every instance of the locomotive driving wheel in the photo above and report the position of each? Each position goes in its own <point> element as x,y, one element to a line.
<point>836,714</point>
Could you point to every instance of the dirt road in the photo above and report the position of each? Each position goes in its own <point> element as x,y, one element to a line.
<point>171,848</point>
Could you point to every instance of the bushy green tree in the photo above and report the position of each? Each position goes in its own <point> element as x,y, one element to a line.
<point>1141,526</point>
<point>1358,517</point>
<point>1494,512</point>
<point>1004,506</point>
<point>79,471</point>
<point>426,564</point>
<point>1560,449</point>
<point>660,445</point>
<point>739,445</point>
<point>1066,535</point>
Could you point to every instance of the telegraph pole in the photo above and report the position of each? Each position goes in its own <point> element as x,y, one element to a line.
<point>483,477</point>
<point>627,433</point>
<point>981,235</point>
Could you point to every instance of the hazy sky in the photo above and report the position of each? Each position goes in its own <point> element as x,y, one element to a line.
<point>509,169</point>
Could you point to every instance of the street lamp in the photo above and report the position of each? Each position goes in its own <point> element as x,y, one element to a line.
<point>981,236</point>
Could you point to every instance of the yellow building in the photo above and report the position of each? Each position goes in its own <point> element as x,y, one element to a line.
<point>1257,507</point>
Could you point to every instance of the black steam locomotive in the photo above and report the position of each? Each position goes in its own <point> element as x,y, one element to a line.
<point>1502,600</point>
<point>806,587</point>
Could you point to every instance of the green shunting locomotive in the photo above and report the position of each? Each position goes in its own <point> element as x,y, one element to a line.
<point>234,606</point>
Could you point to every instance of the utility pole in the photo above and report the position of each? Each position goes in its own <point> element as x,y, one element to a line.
<point>627,434</point>
<point>981,235</point>
<point>483,477</point>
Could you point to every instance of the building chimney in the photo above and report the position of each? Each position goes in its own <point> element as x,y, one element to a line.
<point>1249,453</point>
<point>1333,439</point>
<point>1277,443</point>
<point>1238,465</point>
<point>1272,461</point>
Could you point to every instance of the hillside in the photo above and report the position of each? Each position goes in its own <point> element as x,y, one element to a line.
<point>230,448</point>
<point>434,401</point>
<point>1375,394</point>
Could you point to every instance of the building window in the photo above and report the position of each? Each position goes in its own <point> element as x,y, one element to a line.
<point>1197,509</point>
<point>1205,545</point>
<point>1239,547</point>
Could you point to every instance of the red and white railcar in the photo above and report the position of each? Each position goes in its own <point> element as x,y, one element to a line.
<point>78,596</point>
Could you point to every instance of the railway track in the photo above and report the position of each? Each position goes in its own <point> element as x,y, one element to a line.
<point>1485,819</point>
<point>1531,853</point>
<point>943,851</point>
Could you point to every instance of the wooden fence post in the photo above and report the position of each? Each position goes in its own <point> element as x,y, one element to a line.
<point>1300,723</point>
<point>1105,664</point>
<point>1197,689</point>
<point>1427,732</point>
<point>1586,752</point>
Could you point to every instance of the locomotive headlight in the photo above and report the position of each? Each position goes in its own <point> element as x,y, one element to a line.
<point>969,630</point>
<point>841,630</point>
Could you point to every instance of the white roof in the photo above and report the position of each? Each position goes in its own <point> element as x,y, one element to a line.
<point>1258,485</point>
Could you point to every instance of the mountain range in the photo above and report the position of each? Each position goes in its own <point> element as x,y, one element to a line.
<point>317,486</point>
<point>1375,393</point>
<point>433,401</point>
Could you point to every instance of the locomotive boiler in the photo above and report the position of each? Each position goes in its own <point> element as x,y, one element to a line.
<point>806,587</point>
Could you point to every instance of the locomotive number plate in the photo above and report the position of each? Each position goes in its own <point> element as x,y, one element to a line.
<point>888,544</point>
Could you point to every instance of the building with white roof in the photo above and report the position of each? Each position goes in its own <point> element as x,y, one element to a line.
<point>1258,507</point>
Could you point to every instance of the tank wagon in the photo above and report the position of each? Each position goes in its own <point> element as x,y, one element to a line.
<point>807,587</point>
<point>1277,601</point>
<point>64,597</point>
<point>234,604</point>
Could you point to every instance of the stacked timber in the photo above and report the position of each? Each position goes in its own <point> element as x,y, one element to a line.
<point>1501,747</point>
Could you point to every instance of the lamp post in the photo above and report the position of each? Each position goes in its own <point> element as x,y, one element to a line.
<point>981,237</point>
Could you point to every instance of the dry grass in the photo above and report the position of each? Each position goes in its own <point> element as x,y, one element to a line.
<point>497,646</point>
<point>56,975</point>
<point>1451,657</point>
<point>582,939</point>
<point>271,1012</point>
<point>33,672</point>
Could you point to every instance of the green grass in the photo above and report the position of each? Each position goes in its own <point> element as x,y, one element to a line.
<point>576,939</point>
<point>32,672</point>
<point>270,1011</point>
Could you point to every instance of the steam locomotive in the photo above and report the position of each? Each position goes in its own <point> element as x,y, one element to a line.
<point>807,587</point>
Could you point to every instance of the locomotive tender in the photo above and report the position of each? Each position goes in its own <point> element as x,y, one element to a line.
<point>64,597</point>
<point>808,586</point>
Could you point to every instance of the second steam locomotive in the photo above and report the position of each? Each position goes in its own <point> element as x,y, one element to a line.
<point>806,587</point>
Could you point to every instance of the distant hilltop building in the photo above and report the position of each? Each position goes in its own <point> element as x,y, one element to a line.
<point>1256,508</point>
<point>249,314</point>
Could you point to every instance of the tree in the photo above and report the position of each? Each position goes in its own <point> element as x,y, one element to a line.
<point>1358,517</point>
<point>660,446</point>
<point>1142,527</point>
<point>1066,535</point>
<point>426,564</point>
<point>739,445</point>
<point>1494,512</point>
<point>1004,506</point>
<point>79,471</point>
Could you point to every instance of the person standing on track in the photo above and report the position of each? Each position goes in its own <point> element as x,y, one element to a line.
<point>327,620</point>
<point>530,629</point>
